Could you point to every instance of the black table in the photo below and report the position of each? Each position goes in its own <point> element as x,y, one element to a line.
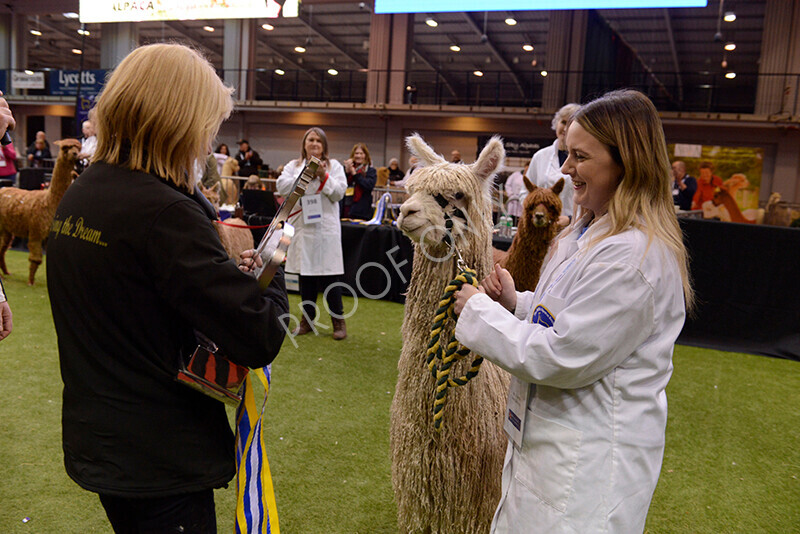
<point>377,260</point>
<point>745,278</point>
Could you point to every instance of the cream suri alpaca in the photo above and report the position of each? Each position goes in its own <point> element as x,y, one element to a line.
<point>235,240</point>
<point>537,226</point>
<point>230,185</point>
<point>30,213</point>
<point>447,481</point>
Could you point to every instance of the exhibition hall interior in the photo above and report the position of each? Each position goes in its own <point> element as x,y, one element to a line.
<point>389,88</point>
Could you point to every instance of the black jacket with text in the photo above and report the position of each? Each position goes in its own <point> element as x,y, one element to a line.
<point>134,265</point>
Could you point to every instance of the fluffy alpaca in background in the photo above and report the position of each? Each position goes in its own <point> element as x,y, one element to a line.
<point>537,226</point>
<point>30,214</point>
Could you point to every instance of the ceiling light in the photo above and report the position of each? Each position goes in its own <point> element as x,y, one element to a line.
<point>724,64</point>
<point>37,33</point>
<point>477,73</point>
<point>208,28</point>
<point>71,15</point>
<point>268,27</point>
<point>29,72</point>
<point>333,72</point>
<point>543,73</point>
<point>730,75</point>
<point>511,21</point>
<point>455,48</point>
<point>76,51</point>
<point>299,49</point>
<point>730,16</point>
<point>730,46</point>
<point>280,72</point>
<point>527,47</point>
<point>430,22</point>
<point>81,31</point>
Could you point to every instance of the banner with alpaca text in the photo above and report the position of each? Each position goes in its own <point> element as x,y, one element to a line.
<point>728,179</point>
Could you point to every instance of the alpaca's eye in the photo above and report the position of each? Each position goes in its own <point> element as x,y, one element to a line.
<point>459,195</point>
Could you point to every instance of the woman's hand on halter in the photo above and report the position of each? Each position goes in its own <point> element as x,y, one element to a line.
<point>499,285</point>
<point>463,295</point>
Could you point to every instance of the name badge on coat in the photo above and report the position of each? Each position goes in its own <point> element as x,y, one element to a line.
<point>518,396</point>
<point>312,209</point>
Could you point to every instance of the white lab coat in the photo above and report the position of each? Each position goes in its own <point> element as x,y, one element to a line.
<point>593,439</point>
<point>516,191</point>
<point>544,171</point>
<point>316,249</point>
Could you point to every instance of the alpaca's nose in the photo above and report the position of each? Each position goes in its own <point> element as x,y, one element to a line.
<point>408,209</point>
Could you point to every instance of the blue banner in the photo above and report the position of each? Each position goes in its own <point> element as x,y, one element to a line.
<point>84,105</point>
<point>3,81</point>
<point>65,82</point>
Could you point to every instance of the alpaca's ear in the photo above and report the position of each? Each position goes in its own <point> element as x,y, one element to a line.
<point>558,186</point>
<point>491,159</point>
<point>423,151</point>
<point>528,185</point>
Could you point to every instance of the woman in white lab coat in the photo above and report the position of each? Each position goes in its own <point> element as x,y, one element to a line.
<point>544,169</point>
<point>590,351</point>
<point>316,250</point>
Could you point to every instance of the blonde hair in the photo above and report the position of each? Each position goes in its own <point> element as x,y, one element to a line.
<point>161,130</point>
<point>363,147</point>
<point>627,123</point>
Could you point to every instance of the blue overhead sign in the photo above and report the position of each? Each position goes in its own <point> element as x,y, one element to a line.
<point>65,82</point>
<point>3,80</point>
<point>442,6</point>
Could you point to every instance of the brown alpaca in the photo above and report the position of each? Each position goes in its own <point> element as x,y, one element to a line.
<point>230,185</point>
<point>30,213</point>
<point>721,196</point>
<point>235,240</point>
<point>537,226</point>
<point>446,481</point>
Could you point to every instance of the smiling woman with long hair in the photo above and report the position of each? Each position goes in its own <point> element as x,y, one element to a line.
<point>590,350</point>
<point>134,267</point>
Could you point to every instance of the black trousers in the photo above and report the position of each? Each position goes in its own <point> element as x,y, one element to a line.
<point>310,286</point>
<point>191,513</point>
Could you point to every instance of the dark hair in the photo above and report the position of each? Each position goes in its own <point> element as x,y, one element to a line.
<point>219,149</point>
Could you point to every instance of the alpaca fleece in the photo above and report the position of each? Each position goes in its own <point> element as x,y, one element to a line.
<point>30,213</point>
<point>531,242</point>
<point>448,481</point>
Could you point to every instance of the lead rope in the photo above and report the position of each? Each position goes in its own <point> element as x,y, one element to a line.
<point>439,360</point>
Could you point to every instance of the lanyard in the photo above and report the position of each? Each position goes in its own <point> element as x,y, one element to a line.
<point>321,185</point>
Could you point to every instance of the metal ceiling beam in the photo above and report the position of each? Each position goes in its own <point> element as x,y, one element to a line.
<point>635,52</point>
<point>427,60</point>
<point>286,59</point>
<point>330,39</point>
<point>674,50</point>
<point>472,24</point>
<point>194,36</point>
<point>75,39</point>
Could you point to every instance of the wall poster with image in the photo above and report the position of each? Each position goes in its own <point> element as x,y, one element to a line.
<point>728,179</point>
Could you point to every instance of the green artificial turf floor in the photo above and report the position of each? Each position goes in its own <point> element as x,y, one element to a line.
<point>732,461</point>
